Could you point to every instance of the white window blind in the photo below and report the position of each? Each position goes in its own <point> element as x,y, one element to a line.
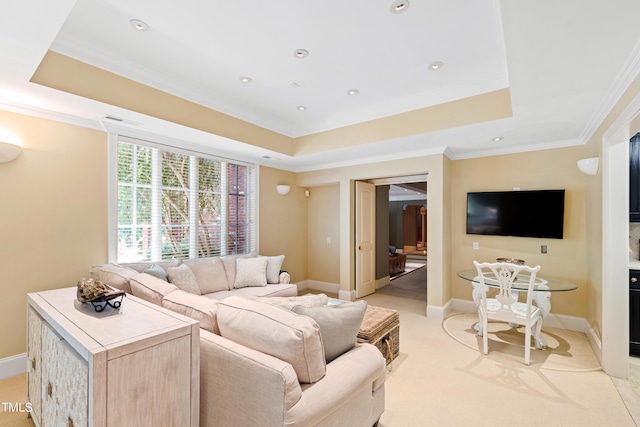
<point>176,205</point>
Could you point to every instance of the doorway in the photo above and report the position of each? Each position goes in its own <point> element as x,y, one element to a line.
<point>401,226</point>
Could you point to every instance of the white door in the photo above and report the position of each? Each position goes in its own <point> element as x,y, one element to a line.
<point>365,239</point>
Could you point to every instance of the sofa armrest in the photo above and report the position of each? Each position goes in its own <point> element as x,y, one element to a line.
<point>357,374</point>
<point>241,386</point>
<point>284,277</point>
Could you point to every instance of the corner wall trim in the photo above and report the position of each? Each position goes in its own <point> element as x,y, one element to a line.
<point>13,365</point>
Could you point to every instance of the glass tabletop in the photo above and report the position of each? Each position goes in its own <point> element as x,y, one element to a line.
<point>543,283</point>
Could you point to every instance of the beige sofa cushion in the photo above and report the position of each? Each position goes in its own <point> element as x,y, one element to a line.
<point>277,332</point>
<point>250,272</point>
<point>116,276</point>
<point>150,288</point>
<point>339,325</point>
<point>182,276</point>
<point>308,300</point>
<point>194,306</point>
<point>209,273</point>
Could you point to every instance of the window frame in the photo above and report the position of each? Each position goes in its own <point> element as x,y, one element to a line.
<point>180,147</point>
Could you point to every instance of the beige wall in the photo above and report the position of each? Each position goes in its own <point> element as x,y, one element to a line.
<point>53,215</point>
<point>546,169</point>
<point>283,221</point>
<point>324,223</point>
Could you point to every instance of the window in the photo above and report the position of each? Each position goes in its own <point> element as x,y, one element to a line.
<point>175,204</point>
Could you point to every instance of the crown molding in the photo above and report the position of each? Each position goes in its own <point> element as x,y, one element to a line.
<point>623,80</point>
<point>518,149</point>
<point>43,113</point>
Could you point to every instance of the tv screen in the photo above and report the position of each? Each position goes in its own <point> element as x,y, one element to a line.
<point>537,213</point>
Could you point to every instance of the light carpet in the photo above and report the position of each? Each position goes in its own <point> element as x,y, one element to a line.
<point>409,285</point>
<point>566,350</point>
<point>13,396</point>
<point>436,381</point>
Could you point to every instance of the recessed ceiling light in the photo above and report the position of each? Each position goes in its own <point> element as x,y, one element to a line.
<point>352,92</point>
<point>245,79</point>
<point>399,6</point>
<point>300,53</point>
<point>498,138</point>
<point>436,65</point>
<point>138,25</point>
<point>301,107</point>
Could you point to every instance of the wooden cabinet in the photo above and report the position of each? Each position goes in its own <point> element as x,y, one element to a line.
<point>137,365</point>
<point>634,312</point>
<point>634,178</point>
<point>397,264</point>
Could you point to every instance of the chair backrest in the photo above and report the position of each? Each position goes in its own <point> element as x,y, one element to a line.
<point>504,274</point>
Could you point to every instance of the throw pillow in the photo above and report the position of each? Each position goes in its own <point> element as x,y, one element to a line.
<point>150,288</point>
<point>274,265</point>
<point>156,270</point>
<point>250,272</point>
<point>339,325</point>
<point>229,263</point>
<point>197,307</point>
<point>209,273</point>
<point>183,278</point>
<point>280,333</point>
<point>308,300</point>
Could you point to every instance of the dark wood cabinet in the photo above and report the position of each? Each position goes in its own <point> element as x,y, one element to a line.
<point>397,264</point>
<point>634,178</point>
<point>634,312</point>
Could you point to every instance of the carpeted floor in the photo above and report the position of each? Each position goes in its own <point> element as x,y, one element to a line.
<point>566,350</point>
<point>411,285</point>
<point>13,395</point>
<point>437,381</point>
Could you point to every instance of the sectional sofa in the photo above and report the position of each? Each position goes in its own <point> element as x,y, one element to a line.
<point>267,356</point>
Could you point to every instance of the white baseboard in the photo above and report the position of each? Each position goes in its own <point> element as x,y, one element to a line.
<point>317,285</point>
<point>596,344</point>
<point>13,365</point>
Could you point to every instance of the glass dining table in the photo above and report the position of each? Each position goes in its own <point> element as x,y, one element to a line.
<point>543,287</point>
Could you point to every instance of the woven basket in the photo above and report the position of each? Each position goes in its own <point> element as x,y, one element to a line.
<point>381,328</point>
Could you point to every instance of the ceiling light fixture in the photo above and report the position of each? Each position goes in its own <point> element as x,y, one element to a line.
<point>300,53</point>
<point>301,107</point>
<point>245,79</point>
<point>352,92</point>
<point>436,65</point>
<point>399,6</point>
<point>139,25</point>
<point>498,138</point>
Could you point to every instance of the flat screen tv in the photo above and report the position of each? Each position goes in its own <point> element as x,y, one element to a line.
<point>538,213</point>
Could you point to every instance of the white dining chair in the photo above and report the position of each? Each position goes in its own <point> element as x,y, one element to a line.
<point>505,306</point>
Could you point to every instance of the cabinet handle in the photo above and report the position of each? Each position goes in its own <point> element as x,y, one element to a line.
<point>49,389</point>
<point>634,280</point>
<point>69,422</point>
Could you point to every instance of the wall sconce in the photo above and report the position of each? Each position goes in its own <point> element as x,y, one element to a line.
<point>589,166</point>
<point>9,151</point>
<point>283,189</point>
<point>307,193</point>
